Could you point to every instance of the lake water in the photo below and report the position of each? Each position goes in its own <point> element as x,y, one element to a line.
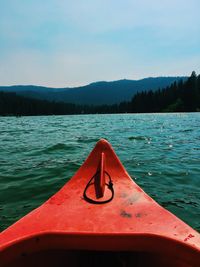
<point>161,152</point>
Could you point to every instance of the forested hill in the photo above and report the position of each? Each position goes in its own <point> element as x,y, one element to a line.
<point>97,93</point>
<point>181,96</point>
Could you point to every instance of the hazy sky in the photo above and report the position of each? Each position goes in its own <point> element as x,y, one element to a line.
<point>74,42</point>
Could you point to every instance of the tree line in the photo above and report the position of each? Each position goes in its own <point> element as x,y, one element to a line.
<point>178,97</point>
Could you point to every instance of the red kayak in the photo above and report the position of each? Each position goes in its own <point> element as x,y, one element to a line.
<point>100,218</point>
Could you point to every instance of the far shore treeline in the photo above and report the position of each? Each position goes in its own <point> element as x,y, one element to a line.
<point>181,96</point>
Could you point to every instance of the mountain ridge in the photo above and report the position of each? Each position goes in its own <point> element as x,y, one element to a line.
<point>95,93</point>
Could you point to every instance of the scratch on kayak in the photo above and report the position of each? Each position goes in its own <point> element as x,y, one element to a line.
<point>125,214</point>
<point>188,237</point>
<point>123,195</point>
<point>134,198</point>
<point>130,199</point>
<point>140,214</point>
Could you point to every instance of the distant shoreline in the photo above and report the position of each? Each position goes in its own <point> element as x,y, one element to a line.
<point>181,96</point>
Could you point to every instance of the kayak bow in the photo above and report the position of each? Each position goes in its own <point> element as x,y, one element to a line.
<point>101,216</point>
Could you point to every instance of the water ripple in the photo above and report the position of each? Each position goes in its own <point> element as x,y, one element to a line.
<point>39,154</point>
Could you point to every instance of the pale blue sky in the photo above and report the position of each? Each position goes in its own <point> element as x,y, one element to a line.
<point>69,42</point>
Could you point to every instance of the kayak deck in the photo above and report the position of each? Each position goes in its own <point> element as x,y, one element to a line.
<point>101,209</point>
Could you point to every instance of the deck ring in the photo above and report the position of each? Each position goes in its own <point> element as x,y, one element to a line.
<point>109,185</point>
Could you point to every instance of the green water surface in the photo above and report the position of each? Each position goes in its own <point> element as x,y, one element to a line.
<point>160,151</point>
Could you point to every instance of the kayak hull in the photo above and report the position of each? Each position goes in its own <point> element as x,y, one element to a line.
<point>115,218</point>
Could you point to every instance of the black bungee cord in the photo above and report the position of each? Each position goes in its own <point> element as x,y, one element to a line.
<point>109,185</point>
